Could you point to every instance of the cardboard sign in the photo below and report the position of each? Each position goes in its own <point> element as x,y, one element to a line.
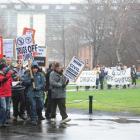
<point>41,52</point>
<point>1,47</point>
<point>29,31</point>
<point>86,78</point>
<point>118,76</point>
<point>41,61</point>
<point>74,68</point>
<point>25,47</point>
<point>8,47</point>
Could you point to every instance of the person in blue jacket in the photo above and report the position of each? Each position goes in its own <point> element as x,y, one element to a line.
<point>34,94</point>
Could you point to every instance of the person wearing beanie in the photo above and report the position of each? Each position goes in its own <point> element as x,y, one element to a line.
<point>34,94</point>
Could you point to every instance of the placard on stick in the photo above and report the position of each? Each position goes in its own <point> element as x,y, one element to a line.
<point>74,68</point>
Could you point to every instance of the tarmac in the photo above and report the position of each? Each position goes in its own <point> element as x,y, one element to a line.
<point>97,126</point>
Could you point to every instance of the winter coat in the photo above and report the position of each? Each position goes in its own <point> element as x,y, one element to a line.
<point>57,85</point>
<point>39,80</point>
<point>5,84</point>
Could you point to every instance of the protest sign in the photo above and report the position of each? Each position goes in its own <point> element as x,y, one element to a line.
<point>86,78</point>
<point>118,76</point>
<point>25,47</point>
<point>29,31</point>
<point>1,47</point>
<point>8,47</point>
<point>41,61</point>
<point>41,51</point>
<point>74,69</point>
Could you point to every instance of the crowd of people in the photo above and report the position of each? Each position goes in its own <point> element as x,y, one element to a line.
<point>29,90</point>
<point>101,72</point>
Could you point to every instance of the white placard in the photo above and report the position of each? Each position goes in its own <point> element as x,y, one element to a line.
<point>41,51</point>
<point>25,47</point>
<point>86,78</point>
<point>8,47</point>
<point>74,69</point>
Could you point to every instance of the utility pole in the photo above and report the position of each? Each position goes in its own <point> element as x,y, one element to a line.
<point>63,42</point>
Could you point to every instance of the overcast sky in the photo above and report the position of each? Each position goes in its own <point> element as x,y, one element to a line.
<point>43,1</point>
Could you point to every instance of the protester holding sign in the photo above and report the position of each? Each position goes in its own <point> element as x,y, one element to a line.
<point>97,71</point>
<point>34,94</point>
<point>58,83</point>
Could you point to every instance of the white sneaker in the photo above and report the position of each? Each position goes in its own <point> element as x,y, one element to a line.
<point>65,120</point>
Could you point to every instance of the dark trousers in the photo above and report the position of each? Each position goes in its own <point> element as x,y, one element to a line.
<point>48,105</point>
<point>101,83</point>
<point>61,103</point>
<point>97,83</point>
<point>133,80</point>
<point>18,104</point>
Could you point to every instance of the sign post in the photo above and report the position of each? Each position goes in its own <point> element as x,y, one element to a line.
<point>1,47</point>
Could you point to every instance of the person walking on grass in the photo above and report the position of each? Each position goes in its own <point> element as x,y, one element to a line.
<point>58,83</point>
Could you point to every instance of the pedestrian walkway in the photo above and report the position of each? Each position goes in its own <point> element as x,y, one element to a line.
<point>81,127</point>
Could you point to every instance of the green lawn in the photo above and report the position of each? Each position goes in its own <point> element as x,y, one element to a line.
<point>114,100</point>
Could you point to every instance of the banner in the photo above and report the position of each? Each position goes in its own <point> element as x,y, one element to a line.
<point>25,47</point>
<point>1,47</point>
<point>74,69</point>
<point>8,47</point>
<point>86,78</point>
<point>118,76</point>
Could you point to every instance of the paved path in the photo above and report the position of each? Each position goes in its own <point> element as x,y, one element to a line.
<point>82,127</point>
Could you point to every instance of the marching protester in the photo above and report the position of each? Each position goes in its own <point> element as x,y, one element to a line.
<point>58,83</point>
<point>39,112</point>
<point>34,94</point>
<point>18,96</point>
<point>134,75</point>
<point>5,92</point>
<point>48,90</point>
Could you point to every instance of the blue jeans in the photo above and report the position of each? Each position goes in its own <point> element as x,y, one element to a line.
<point>8,106</point>
<point>36,104</point>
<point>4,109</point>
<point>3,114</point>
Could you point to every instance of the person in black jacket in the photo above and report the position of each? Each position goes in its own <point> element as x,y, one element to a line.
<point>101,77</point>
<point>47,104</point>
<point>134,75</point>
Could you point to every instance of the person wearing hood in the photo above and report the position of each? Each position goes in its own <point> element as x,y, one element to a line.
<point>34,94</point>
